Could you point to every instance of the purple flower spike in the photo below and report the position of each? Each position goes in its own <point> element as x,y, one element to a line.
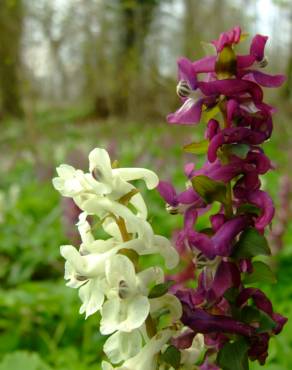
<point>230,87</point>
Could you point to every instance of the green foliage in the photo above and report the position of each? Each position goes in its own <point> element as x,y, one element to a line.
<point>160,289</point>
<point>197,148</point>
<point>210,190</point>
<point>172,357</point>
<point>261,273</point>
<point>39,320</point>
<point>251,243</point>
<point>233,356</point>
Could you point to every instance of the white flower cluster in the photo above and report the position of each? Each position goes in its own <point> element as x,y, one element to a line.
<point>107,272</point>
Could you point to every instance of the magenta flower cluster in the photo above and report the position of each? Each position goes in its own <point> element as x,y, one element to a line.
<point>233,314</point>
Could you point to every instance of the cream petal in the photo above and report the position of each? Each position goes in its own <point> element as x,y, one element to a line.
<point>129,174</point>
<point>90,265</point>
<point>169,302</point>
<point>99,160</point>
<point>124,315</point>
<point>84,229</point>
<point>167,251</point>
<point>65,171</point>
<point>138,202</point>
<point>120,268</point>
<point>192,354</point>
<point>110,315</point>
<point>92,296</point>
<point>121,346</point>
<point>148,276</point>
<point>146,359</point>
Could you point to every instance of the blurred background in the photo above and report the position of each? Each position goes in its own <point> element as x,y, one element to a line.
<point>79,74</point>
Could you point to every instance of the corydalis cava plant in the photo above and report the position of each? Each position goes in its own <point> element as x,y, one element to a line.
<point>225,89</point>
<point>137,312</point>
<point>225,321</point>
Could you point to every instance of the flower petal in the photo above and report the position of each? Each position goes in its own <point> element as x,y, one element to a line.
<point>189,113</point>
<point>121,346</point>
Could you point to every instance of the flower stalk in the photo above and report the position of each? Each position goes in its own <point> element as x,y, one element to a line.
<point>219,307</point>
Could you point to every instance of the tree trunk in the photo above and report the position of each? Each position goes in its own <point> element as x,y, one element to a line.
<point>10,43</point>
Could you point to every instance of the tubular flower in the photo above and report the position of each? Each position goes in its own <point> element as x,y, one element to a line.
<point>137,311</point>
<point>233,316</point>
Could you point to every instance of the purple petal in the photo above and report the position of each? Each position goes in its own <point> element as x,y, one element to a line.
<point>265,79</point>
<point>203,243</point>
<point>167,192</point>
<point>184,340</point>
<point>223,238</point>
<point>189,113</point>
<point>228,38</point>
<point>186,72</point>
<point>190,218</point>
<point>234,135</point>
<point>262,200</point>
<point>203,322</point>
<point>257,47</point>
<point>245,61</point>
<point>259,298</point>
<point>205,65</point>
<point>258,349</point>
<point>227,276</point>
<point>217,221</point>
<point>188,169</point>
<point>231,87</point>
<point>212,129</point>
<point>280,321</point>
<point>188,196</point>
<point>219,172</point>
<point>231,108</point>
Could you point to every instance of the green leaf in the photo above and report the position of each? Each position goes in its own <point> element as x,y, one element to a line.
<point>233,356</point>
<point>209,113</point>
<point>172,356</point>
<point>197,148</point>
<point>210,190</point>
<point>251,243</point>
<point>160,289</point>
<point>251,315</point>
<point>225,66</point>
<point>261,273</point>
<point>248,208</point>
<point>240,150</point>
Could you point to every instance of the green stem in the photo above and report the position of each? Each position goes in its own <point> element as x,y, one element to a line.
<point>228,205</point>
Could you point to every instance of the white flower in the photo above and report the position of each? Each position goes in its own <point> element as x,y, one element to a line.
<point>72,182</point>
<point>169,302</point>
<point>117,179</point>
<point>103,207</point>
<point>160,245</point>
<point>127,306</point>
<point>121,346</point>
<point>146,359</point>
<point>87,273</point>
<point>102,180</point>
<point>192,354</point>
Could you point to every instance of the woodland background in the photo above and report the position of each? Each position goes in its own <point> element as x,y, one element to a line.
<point>79,74</point>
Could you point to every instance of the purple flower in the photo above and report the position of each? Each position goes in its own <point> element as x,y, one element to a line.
<point>227,38</point>
<point>203,322</point>
<point>220,244</point>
